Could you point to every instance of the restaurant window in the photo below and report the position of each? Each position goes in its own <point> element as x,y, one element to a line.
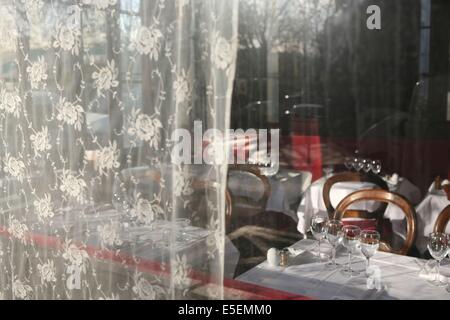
<point>96,95</point>
<point>333,86</point>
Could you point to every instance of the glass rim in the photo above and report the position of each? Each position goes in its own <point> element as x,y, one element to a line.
<point>351,226</point>
<point>430,235</point>
<point>366,231</point>
<point>335,221</point>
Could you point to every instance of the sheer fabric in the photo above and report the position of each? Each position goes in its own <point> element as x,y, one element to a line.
<point>90,92</point>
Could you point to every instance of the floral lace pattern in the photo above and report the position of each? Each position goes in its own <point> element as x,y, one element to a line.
<point>90,93</point>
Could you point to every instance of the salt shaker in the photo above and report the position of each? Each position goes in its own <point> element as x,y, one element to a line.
<point>273,257</point>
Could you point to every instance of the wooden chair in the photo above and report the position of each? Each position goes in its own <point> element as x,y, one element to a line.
<point>141,179</point>
<point>350,177</point>
<point>255,230</point>
<point>249,190</point>
<point>447,190</point>
<point>385,197</point>
<point>202,191</point>
<point>442,220</point>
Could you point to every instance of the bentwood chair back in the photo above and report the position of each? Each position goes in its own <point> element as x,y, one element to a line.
<point>442,220</point>
<point>205,202</point>
<point>350,177</point>
<point>385,197</point>
<point>249,190</point>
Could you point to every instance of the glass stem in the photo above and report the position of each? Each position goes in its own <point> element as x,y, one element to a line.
<point>368,263</point>
<point>333,256</point>
<point>320,256</point>
<point>438,272</point>
<point>349,260</point>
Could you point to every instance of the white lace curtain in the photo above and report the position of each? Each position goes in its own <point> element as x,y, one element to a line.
<point>91,206</point>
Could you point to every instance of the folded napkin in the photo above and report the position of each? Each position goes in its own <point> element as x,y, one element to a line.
<point>310,249</point>
<point>432,189</point>
<point>393,180</point>
<point>374,278</point>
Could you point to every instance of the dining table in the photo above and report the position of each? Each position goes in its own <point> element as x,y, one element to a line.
<point>109,253</point>
<point>313,203</point>
<point>427,213</point>
<point>285,188</point>
<point>146,242</point>
<point>400,277</point>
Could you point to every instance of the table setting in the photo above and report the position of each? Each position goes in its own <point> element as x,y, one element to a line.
<point>344,262</point>
<point>107,229</point>
<point>428,211</point>
<point>313,202</point>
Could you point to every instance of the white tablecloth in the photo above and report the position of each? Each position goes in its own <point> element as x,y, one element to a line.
<point>305,275</point>
<point>427,212</point>
<point>142,238</point>
<point>312,202</point>
<point>287,187</point>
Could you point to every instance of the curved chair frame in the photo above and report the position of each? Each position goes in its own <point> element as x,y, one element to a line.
<point>206,184</point>
<point>344,177</point>
<point>256,172</point>
<point>442,220</point>
<point>386,197</point>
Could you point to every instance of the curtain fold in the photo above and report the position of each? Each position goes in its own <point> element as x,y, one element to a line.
<point>92,205</point>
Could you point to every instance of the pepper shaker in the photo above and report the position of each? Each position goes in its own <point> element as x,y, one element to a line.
<point>284,257</point>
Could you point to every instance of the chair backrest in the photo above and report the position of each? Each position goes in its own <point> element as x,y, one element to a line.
<point>385,197</point>
<point>141,180</point>
<point>447,190</point>
<point>442,220</point>
<point>348,177</point>
<point>202,189</point>
<point>249,189</point>
<point>146,176</point>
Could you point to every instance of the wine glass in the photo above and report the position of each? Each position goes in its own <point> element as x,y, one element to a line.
<point>328,171</point>
<point>350,241</point>
<point>181,224</point>
<point>369,242</point>
<point>376,166</point>
<point>438,246</point>
<point>357,163</point>
<point>119,196</point>
<point>367,165</point>
<point>448,286</point>
<point>334,234</point>
<point>348,163</point>
<point>318,224</point>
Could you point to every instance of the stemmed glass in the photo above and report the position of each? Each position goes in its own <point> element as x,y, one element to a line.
<point>376,166</point>
<point>348,163</point>
<point>438,246</point>
<point>334,234</point>
<point>367,165</point>
<point>328,171</point>
<point>358,164</point>
<point>369,242</point>
<point>448,286</point>
<point>318,228</point>
<point>120,199</point>
<point>350,241</point>
<point>181,224</point>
